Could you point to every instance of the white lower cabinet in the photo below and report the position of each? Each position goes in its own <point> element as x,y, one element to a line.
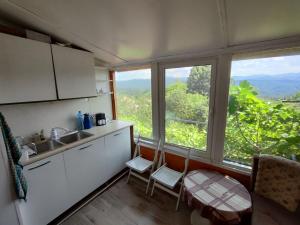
<point>118,150</point>
<point>58,182</point>
<point>47,191</point>
<point>85,169</point>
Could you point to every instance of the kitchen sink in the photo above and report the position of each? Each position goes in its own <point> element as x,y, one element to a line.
<point>45,146</point>
<point>74,136</point>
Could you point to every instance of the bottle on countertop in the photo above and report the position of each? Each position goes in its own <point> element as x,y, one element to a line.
<point>87,121</point>
<point>79,118</point>
<point>92,117</point>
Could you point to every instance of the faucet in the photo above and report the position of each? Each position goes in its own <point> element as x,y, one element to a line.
<point>56,132</point>
<point>21,142</point>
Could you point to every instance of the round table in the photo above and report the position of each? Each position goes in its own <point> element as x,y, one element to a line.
<point>219,198</point>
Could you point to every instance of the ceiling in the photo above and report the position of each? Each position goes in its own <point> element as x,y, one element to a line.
<point>127,31</point>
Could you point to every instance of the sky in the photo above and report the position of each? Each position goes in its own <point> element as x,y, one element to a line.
<point>262,66</point>
<point>266,66</point>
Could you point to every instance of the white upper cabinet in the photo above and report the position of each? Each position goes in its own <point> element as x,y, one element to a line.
<point>26,70</point>
<point>74,71</point>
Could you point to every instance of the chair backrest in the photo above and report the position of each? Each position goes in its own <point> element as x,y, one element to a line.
<point>137,150</point>
<point>187,160</point>
<point>277,179</point>
<point>158,147</point>
<point>162,159</point>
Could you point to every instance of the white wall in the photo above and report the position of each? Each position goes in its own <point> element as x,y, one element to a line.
<point>29,118</point>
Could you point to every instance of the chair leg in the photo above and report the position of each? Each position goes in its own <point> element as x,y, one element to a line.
<point>128,176</point>
<point>152,191</point>
<point>148,185</point>
<point>178,200</point>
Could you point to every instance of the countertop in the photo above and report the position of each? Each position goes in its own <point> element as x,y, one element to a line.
<point>97,132</point>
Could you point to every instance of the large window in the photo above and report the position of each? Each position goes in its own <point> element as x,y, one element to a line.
<point>187,91</point>
<point>134,102</point>
<point>264,109</point>
<point>263,114</point>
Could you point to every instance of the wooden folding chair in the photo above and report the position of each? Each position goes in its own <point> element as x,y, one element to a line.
<point>166,178</point>
<point>139,165</point>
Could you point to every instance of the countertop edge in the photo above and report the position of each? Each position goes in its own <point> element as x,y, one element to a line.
<point>115,126</point>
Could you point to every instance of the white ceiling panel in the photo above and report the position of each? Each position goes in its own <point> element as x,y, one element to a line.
<point>29,19</point>
<point>134,29</point>
<point>126,31</point>
<point>259,20</point>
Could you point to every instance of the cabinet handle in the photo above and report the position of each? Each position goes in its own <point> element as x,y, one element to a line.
<point>85,147</point>
<point>117,134</point>
<point>43,164</point>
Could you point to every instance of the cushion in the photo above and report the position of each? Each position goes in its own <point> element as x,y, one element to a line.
<point>267,212</point>
<point>278,179</point>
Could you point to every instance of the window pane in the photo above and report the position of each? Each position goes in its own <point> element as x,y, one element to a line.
<point>187,103</point>
<point>134,100</point>
<point>264,109</point>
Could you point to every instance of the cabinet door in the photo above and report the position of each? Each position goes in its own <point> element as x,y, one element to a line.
<point>26,70</point>
<point>85,168</point>
<point>47,191</point>
<point>118,150</point>
<point>74,71</point>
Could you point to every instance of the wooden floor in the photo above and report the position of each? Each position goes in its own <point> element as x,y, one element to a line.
<point>126,204</point>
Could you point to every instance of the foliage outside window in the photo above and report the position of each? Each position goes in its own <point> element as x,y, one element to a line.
<point>134,103</point>
<point>264,109</point>
<point>187,105</point>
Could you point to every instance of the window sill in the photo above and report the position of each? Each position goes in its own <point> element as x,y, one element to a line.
<point>195,155</point>
<point>237,167</point>
<point>200,157</point>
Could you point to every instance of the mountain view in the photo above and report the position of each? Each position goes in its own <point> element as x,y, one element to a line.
<point>258,120</point>
<point>267,86</point>
<point>273,86</point>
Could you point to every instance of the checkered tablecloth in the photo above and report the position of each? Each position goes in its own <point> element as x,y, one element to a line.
<point>219,198</point>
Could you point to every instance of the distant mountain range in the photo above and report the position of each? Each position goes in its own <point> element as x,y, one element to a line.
<point>272,86</point>
<point>144,84</point>
<point>276,86</point>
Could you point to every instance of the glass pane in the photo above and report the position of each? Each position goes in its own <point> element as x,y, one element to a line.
<point>264,111</point>
<point>187,106</point>
<point>134,103</point>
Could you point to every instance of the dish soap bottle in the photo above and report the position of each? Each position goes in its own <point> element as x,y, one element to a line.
<point>79,118</point>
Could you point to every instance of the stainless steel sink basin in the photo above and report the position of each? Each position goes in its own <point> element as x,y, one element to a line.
<point>74,136</point>
<point>45,146</point>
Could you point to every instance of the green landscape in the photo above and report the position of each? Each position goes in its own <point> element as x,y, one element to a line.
<point>255,123</point>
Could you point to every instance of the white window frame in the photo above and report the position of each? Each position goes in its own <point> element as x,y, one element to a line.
<point>227,62</point>
<point>224,58</point>
<point>153,96</point>
<point>161,87</point>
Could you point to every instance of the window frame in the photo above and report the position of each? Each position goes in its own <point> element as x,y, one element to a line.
<point>223,59</point>
<point>152,88</point>
<point>162,66</point>
<point>244,55</point>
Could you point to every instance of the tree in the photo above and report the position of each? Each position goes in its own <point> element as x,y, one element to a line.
<point>186,107</point>
<point>256,126</point>
<point>199,80</point>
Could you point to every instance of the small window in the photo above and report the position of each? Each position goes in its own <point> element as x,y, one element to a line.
<point>134,102</point>
<point>264,109</point>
